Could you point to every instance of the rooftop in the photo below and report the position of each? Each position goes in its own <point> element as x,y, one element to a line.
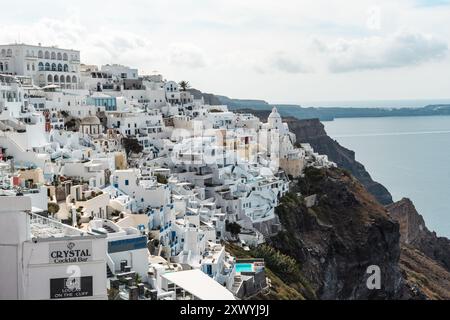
<point>42,228</point>
<point>199,285</point>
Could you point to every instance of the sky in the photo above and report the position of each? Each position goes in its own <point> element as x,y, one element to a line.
<point>285,51</point>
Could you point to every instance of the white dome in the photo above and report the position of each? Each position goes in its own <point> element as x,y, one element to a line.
<point>93,120</point>
<point>274,114</point>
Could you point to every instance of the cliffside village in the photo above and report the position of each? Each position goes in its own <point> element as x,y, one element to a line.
<point>125,186</point>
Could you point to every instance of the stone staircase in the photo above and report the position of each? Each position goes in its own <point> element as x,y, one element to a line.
<point>109,273</point>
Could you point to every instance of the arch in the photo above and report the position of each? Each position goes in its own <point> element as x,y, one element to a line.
<point>68,79</point>
<point>40,54</point>
<point>49,78</point>
<point>53,56</point>
<point>41,66</point>
<point>74,79</point>
<point>47,66</point>
<point>66,68</point>
<point>47,55</point>
<point>54,67</point>
<point>59,56</point>
<point>60,67</point>
<point>65,58</point>
<point>62,79</point>
<point>56,78</point>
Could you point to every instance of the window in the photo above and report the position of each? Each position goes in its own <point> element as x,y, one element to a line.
<point>127,183</point>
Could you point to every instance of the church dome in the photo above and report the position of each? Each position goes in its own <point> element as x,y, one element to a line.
<point>90,121</point>
<point>274,114</point>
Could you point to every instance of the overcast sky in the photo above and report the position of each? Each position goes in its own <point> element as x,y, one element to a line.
<point>281,51</point>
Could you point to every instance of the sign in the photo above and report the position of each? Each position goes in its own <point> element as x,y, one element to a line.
<point>70,252</point>
<point>73,287</point>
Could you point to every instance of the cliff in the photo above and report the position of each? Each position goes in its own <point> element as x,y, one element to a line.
<point>415,233</point>
<point>209,98</point>
<point>312,131</point>
<point>424,277</point>
<point>336,240</point>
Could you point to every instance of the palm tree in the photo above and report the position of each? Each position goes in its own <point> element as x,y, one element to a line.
<point>184,85</point>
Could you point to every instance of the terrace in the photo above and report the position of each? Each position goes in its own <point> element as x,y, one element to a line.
<point>42,228</point>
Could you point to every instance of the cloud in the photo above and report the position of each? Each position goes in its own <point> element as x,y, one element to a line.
<point>398,50</point>
<point>283,62</point>
<point>280,61</point>
<point>187,55</point>
<point>104,45</point>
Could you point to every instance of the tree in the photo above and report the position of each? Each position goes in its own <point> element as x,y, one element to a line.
<point>131,145</point>
<point>161,179</point>
<point>233,228</point>
<point>184,85</point>
<point>53,208</point>
<point>137,279</point>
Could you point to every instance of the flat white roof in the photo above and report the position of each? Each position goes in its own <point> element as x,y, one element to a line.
<point>199,284</point>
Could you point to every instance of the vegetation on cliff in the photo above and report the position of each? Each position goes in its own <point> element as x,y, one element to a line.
<point>336,240</point>
<point>286,280</point>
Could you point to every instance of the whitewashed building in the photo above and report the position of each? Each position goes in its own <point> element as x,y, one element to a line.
<point>45,65</point>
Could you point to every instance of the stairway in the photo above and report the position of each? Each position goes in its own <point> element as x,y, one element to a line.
<point>236,285</point>
<point>108,228</point>
<point>109,273</point>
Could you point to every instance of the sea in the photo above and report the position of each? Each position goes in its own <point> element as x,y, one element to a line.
<point>410,156</point>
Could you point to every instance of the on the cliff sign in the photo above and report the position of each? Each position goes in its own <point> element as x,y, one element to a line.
<point>71,252</point>
<point>65,288</point>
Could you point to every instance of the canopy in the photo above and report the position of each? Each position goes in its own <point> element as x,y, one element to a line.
<point>199,285</point>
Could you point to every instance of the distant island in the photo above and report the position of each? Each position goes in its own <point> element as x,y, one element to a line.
<point>323,113</point>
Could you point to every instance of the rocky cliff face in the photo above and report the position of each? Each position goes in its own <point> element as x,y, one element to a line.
<point>415,234</point>
<point>336,240</point>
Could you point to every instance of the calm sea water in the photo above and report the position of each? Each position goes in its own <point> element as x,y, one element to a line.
<point>409,155</point>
